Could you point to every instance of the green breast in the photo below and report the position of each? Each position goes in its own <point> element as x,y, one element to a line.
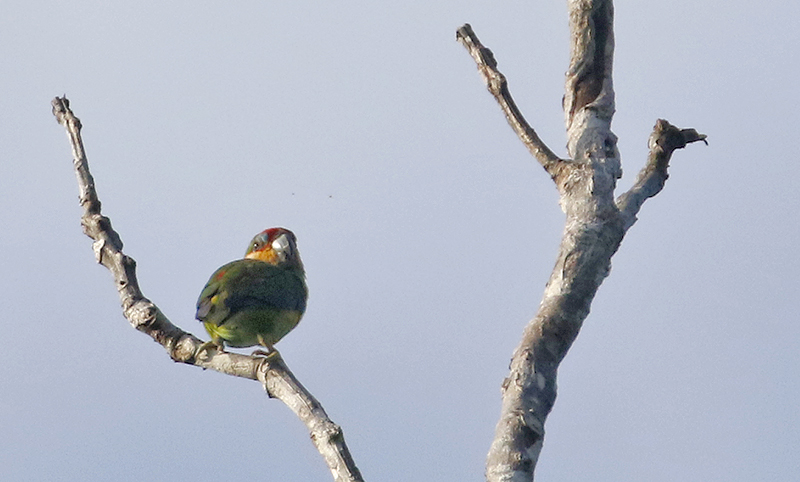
<point>249,299</point>
<point>244,328</point>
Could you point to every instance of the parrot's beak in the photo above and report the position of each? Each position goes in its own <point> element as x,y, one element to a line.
<point>283,248</point>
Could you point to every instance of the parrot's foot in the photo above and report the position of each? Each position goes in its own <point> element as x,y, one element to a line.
<point>204,349</point>
<point>270,355</point>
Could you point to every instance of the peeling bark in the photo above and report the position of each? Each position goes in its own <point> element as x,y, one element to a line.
<point>594,227</point>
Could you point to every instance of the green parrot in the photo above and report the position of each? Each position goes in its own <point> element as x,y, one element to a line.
<point>256,300</point>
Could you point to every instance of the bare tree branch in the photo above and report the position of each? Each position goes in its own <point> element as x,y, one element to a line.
<point>497,85</point>
<point>664,140</point>
<point>328,437</point>
<point>595,225</point>
<point>276,378</point>
<point>589,102</point>
<point>589,82</point>
<point>592,234</point>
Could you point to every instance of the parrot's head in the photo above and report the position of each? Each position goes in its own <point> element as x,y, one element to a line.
<point>276,246</point>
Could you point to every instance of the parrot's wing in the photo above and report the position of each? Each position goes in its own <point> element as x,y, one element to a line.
<point>247,283</point>
<point>210,307</point>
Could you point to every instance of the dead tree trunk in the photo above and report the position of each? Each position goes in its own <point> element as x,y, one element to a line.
<point>596,222</point>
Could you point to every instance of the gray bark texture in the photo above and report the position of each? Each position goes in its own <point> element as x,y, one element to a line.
<point>595,224</point>
<point>273,374</point>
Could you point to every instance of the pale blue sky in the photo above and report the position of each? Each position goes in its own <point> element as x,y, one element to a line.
<point>427,231</point>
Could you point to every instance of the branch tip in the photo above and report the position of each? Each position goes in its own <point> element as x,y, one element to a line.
<point>664,140</point>
<point>668,137</point>
<point>692,135</point>
<point>498,86</point>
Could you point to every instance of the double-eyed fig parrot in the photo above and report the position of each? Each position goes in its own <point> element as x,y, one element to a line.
<point>256,300</point>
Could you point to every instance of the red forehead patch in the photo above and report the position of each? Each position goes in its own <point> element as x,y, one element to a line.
<point>273,233</point>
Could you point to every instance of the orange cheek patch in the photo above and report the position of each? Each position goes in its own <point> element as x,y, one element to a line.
<point>267,255</point>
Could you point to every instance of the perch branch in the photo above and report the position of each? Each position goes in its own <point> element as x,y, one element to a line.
<point>327,436</point>
<point>664,140</point>
<point>276,378</point>
<point>498,86</point>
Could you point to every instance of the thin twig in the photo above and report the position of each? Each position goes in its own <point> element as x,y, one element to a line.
<point>144,315</point>
<point>498,86</point>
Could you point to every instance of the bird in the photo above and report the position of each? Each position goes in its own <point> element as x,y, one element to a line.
<point>258,299</point>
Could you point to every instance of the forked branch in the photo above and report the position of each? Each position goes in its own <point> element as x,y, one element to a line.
<point>276,378</point>
<point>595,224</point>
